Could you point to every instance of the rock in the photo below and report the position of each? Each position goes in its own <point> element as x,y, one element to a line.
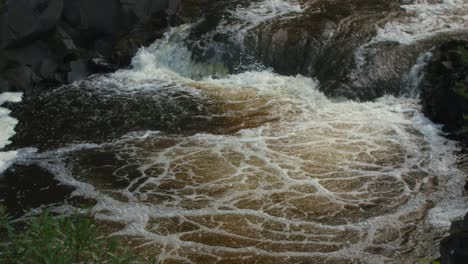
<point>27,187</point>
<point>50,42</point>
<point>144,9</point>
<point>144,34</point>
<point>64,42</point>
<point>78,71</point>
<point>454,249</point>
<point>324,41</point>
<point>5,86</point>
<point>444,99</point>
<point>26,19</point>
<point>48,68</point>
<point>101,65</point>
<point>21,78</point>
<point>98,17</point>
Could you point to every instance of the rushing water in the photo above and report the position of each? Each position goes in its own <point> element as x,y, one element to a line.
<point>276,173</point>
<point>425,18</point>
<point>7,129</point>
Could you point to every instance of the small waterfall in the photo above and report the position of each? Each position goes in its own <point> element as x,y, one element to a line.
<point>171,53</point>
<point>410,84</point>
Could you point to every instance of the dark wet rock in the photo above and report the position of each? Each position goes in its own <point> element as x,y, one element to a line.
<point>99,17</point>
<point>51,37</point>
<point>454,249</point>
<point>64,41</point>
<point>21,78</point>
<point>143,34</point>
<point>5,86</point>
<point>144,9</point>
<point>26,19</point>
<point>26,187</point>
<point>78,71</point>
<point>445,88</point>
<point>101,65</point>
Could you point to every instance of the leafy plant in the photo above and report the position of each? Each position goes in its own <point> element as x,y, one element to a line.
<point>61,240</point>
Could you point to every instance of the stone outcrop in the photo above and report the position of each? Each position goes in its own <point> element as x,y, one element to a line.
<point>454,249</point>
<point>53,42</point>
<point>444,96</point>
<point>444,89</point>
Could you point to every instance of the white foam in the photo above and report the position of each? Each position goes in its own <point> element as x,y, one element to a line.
<point>6,160</point>
<point>259,12</point>
<point>247,18</point>
<point>425,18</point>
<point>314,140</point>
<point>7,129</point>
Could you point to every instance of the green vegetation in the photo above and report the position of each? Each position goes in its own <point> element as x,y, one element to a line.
<point>427,261</point>
<point>60,240</point>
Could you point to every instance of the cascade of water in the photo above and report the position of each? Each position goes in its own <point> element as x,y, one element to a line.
<point>286,175</point>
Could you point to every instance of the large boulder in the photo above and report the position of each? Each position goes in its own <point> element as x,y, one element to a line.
<point>144,9</point>
<point>445,87</point>
<point>112,17</point>
<point>20,78</point>
<point>454,248</point>
<point>26,19</point>
<point>54,42</point>
<point>99,17</point>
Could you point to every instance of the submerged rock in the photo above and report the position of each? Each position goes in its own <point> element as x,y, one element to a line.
<point>82,112</point>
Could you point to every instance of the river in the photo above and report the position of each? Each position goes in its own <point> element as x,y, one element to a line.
<point>257,167</point>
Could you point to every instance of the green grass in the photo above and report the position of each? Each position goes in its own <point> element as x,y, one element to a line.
<point>60,240</point>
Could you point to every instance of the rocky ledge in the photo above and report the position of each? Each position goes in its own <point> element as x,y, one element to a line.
<point>444,88</point>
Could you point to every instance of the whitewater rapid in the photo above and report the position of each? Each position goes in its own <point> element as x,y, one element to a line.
<point>287,175</point>
<point>276,172</point>
<point>7,129</point>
